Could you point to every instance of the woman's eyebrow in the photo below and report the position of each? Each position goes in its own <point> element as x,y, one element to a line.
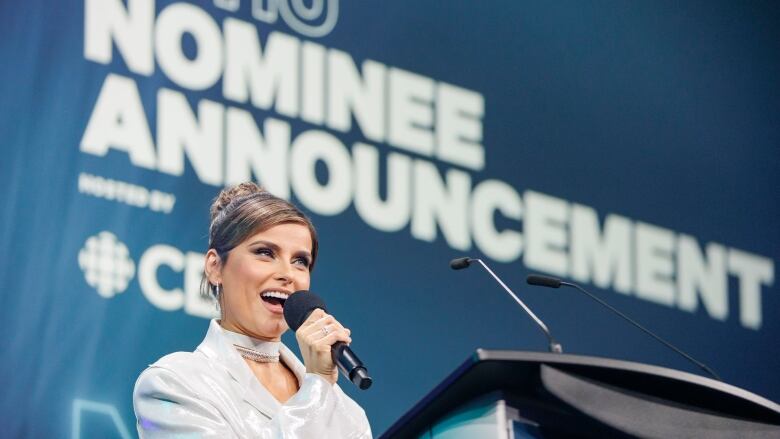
<point>265,243</point>
<point>276,248</point>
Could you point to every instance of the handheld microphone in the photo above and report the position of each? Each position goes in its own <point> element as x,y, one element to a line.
<point>297,309</point>
<point>551,282</point>
<point>461,263</point>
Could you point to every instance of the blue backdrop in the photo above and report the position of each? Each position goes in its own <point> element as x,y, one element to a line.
<point>511,124</point>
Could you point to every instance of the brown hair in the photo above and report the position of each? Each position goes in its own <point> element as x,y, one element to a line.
<point>239,212</point>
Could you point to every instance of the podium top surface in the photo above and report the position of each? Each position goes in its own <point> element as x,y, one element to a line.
<point>520,373</point>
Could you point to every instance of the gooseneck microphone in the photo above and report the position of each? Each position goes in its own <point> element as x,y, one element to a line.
<point>551,282</point>
<point>297,309</point>
<point>461,263</point>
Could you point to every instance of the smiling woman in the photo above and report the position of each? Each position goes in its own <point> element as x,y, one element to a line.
<point>242,381</point>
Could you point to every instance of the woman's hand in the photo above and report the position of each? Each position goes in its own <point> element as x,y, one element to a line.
<point>315,337</point>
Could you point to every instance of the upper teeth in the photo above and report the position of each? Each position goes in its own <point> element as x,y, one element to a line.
<point>277,294</point>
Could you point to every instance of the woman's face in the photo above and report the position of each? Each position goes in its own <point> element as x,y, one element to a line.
<point>274,262</point>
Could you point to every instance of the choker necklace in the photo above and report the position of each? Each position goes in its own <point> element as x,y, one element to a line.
<point>253,349</point>
<point>268,353</point>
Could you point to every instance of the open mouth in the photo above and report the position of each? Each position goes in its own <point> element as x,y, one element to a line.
<point>275,298</point>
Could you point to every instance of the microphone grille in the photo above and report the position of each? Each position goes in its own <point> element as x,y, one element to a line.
<point>460,263</point>
<point>299,305</point>
<point>544,281</point>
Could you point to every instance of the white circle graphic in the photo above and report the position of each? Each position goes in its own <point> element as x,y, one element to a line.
<point>106,264</point>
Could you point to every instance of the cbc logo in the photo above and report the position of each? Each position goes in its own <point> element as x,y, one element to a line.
<point>315,19</point>
<point>107,267</point>
<point>106,264</point>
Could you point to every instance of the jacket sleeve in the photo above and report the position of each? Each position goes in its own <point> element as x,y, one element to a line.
<point>166,406</point>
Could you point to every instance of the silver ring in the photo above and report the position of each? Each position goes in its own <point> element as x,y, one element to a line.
<point>325,331</point>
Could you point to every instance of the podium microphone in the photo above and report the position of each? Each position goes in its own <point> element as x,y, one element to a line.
<point>461,263</point>
<point>551,282</point>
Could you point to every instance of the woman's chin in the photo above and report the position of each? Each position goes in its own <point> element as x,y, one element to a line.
<point>271,328</point>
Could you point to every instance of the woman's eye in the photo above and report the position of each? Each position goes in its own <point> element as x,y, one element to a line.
<point>264,252</point>
<point>302,261</point>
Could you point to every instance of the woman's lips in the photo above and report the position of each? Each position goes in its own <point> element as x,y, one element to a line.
<point>274,307</point>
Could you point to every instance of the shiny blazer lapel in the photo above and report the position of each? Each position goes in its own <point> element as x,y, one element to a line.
<point>217,348</point>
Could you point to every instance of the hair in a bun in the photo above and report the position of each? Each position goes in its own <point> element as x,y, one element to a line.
<point>239,212</point>
<point>228,195</point>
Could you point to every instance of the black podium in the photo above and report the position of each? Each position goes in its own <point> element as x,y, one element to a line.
<point>511,394</point>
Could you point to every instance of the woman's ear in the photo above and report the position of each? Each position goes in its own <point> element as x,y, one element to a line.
<point>213,267</point>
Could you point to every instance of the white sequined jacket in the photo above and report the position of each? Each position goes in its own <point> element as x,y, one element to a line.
<point>212,393</point>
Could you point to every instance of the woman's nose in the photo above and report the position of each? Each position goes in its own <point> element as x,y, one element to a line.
<point>284,272</point>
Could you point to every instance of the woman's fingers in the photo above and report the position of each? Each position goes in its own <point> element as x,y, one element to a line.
<point>312,319</point>
<point>329,333</point>
<point>315,337</point>
<point>322,327</point>
<point>315,322</point>
<point>334,333</point>
<point>324,344</point>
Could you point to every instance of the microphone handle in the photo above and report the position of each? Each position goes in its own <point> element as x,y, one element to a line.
<point>701,365</point>
<point>350,365</point>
